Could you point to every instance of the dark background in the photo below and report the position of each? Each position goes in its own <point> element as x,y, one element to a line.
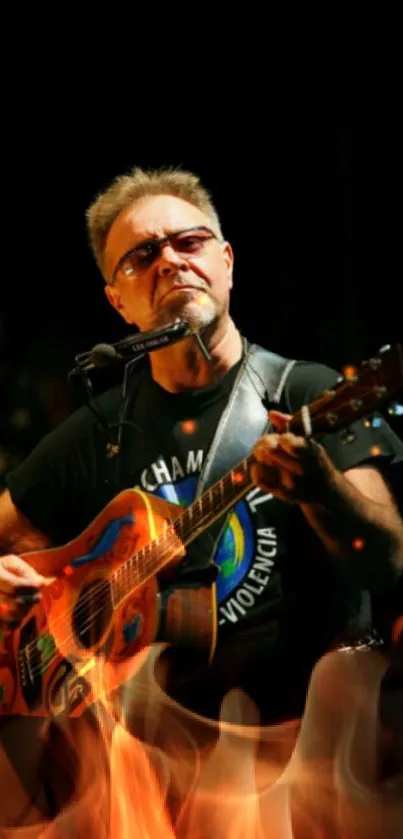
<point>296,132</point>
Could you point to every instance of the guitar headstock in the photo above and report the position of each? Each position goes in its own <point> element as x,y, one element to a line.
<point>357,394</point>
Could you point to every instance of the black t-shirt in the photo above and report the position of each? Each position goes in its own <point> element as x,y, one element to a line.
<point>279,596</point>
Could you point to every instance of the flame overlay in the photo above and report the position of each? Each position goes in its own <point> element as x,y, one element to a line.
<point>141,765</point>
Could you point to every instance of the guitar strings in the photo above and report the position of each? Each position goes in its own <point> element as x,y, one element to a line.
<point>173,527</point>
<point>42,666</point>
<point>32,646</point>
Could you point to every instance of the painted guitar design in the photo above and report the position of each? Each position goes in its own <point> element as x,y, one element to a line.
<point>114,591</point>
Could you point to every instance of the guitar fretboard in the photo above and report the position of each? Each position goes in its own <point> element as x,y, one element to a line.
<point>181,531</point>
<point>214,502</point>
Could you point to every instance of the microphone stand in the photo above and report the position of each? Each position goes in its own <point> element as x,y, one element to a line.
<point>128,351</point>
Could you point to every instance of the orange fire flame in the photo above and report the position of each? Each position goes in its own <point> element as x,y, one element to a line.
<point>143,767</point>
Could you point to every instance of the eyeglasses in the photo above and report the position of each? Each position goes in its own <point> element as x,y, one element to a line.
<point>187,242</point>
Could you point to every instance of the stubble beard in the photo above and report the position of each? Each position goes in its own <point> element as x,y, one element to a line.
<point>198,316</point>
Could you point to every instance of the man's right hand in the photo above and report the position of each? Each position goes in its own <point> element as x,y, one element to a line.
<point>19,590</point>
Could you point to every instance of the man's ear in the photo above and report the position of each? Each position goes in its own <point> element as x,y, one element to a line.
<point>114,299</point>
<point>229,259</point>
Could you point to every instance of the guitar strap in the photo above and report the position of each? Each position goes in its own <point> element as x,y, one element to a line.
<point>257,387</point>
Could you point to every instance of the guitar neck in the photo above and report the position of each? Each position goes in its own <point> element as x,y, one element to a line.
<point>214,502</point>
<point>222,495</point>
<point>191,521</point>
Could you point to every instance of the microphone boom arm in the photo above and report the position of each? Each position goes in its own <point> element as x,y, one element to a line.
<point>137,345</point>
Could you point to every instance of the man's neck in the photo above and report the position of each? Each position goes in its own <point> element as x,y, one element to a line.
<point>184,367</point>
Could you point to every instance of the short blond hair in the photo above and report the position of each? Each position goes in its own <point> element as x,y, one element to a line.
<point>139,183</point>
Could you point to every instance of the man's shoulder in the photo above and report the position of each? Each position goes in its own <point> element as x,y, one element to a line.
<point>304,380</point>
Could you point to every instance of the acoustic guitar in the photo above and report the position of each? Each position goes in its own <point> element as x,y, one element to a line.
<point>114,590</point>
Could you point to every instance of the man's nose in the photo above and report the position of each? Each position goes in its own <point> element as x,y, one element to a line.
<point>170,260</point>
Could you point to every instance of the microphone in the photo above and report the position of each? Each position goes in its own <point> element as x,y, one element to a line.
<point>102,355</point>
<point>135,346</point>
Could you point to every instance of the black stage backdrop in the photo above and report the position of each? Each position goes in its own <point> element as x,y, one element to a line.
<point>296,137</point>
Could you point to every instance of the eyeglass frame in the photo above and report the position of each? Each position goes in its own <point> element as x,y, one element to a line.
<point>158,243</point>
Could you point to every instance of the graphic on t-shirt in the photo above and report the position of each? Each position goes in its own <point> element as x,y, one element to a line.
<point>235,549</point>
<point>245,554</point>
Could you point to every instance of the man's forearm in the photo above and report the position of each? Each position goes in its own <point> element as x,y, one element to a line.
<point>22,543</point>
<point>17,534</point>
<point>367,537</point>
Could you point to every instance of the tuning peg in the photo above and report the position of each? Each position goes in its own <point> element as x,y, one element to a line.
<point>348,436</point>
<point>373,422</point>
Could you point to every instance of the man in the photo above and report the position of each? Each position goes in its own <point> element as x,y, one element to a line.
<point>321,523</point>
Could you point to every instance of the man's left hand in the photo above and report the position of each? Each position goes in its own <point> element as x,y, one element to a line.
<point>293,468</point>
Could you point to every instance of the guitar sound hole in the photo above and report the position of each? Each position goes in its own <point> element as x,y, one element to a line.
<point>92,613</point>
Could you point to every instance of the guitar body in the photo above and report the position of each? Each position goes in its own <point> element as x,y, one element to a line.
<point>102,610</point>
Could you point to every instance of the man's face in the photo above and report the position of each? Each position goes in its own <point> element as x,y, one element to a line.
<point>188,278</point>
